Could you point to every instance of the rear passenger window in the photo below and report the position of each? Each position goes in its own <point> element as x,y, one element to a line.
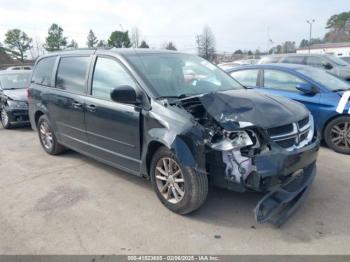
<point>71,73</point>
<point>246,77</point>
<point>109,74</point>
<point>315,61</point>
<point>43,71</point>
<point>294,60</point>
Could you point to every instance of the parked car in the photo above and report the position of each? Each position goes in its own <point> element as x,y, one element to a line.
<point>318,90</point>
<point>228,65</point>
<point>330,63</point>
<point>346,59</point>
<point>13,97</point>
<point>137,110</point>
<point>20,68</point>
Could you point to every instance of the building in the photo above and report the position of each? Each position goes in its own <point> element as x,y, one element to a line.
<point>338,49</point>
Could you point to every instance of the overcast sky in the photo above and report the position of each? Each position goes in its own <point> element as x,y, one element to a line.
<point>237,24</point>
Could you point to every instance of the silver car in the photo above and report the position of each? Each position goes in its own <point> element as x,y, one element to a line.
<point>330,63</point>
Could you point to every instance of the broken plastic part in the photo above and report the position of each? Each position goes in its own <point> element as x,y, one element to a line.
<point>233,140</point>
<point>238,167</point>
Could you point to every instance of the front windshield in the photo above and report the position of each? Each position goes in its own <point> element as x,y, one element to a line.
<point>329,81</point>
<point>337,60</point>
<point>14,81</point>
<point>174,75</point>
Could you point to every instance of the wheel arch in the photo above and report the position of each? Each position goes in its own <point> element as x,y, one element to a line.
<point>330,120</point>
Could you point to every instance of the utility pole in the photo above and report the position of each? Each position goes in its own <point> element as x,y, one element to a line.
<point>310,22</point>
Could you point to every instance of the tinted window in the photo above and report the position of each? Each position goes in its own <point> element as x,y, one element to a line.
<point>281,80</point>
<point>294,59</point>
<point>71,73</point>
<point>315,61</point>
<point>108,74</point>
<point>43,71</point>
<point>246,77</point>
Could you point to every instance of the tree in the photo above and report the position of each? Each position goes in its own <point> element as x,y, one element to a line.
<point>206,44</point>
<point>339,28</point>
<point>288,47</point>
<point>135,37</point>
<point>119,39</point>
<point>170,46</point>
<point>250,53</point>
<point>305,43</point>
<point>238,52</point>
<point>72,44</point>
<point>144,44</point>
<point>102,43</point>
<point>55,39</point>
<point>18,42</point>
<point>91,40</point>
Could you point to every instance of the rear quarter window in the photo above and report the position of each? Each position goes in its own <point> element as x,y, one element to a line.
<point>43,71</point>
<point>71,73</point>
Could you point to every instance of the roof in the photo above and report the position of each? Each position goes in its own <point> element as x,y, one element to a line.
<point>327,45</point>
<point>15,72</point>
<point>271,66</point>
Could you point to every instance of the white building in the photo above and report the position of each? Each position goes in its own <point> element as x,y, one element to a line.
<point>338,49</point>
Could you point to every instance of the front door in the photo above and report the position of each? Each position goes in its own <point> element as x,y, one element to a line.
<point>113,129</point>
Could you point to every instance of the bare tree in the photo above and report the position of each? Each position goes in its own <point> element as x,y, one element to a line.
<point>170,46</point>
<point>206,44</point>
<point>135,37</point>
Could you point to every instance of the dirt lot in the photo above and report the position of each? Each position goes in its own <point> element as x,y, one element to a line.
<point>71,204</point>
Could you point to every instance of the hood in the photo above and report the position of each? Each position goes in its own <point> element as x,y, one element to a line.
<point>236,108</point>
<point>16,94</point>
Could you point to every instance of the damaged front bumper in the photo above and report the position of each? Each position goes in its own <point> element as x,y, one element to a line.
<point>279,204</point>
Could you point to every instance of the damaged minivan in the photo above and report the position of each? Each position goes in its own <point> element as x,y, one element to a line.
<point>179,121</point>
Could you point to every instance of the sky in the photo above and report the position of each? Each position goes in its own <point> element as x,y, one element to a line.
<point>236,24</point>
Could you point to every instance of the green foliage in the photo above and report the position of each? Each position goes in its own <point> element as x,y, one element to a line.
<point>170,46</point>
<point>102,44</point>
<point>18,42</point>
<point>119,39</point>
<point>72,44</point>
<point>91,39</point>
<point>238,52</point>
<point>55,39</point>
<point>339,28</point>
<point>144,44</point>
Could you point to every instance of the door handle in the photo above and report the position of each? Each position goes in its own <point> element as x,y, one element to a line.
<point>77,105</point>
<point>91,108</point>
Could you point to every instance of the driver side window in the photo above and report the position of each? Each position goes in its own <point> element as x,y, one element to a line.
<point>109,74</point>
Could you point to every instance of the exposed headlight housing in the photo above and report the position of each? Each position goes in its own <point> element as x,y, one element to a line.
<point>233,140</point>
<point>17,104</point>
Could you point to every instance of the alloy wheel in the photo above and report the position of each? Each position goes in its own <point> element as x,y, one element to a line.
<point>170,180</point>
<point>46,135</point>
<point>4,117</point>
<point>340,135</point>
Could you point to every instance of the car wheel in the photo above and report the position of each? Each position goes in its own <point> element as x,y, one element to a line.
<point>5,120</point>
<point>181,189</point>
<point>47,137</point>
<point>337,134</point>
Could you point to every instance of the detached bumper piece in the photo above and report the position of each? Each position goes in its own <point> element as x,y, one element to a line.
<point>279,204</point>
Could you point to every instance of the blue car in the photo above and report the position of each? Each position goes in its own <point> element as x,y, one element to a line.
<point>326,96</point>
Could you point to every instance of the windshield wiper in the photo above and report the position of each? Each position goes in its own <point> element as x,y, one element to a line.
<point>341,89</point>
<point>175,96</point>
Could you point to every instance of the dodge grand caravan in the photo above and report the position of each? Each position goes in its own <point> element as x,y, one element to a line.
<point>178,120</point>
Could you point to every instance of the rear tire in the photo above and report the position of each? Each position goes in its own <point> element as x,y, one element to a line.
<point>47,137</point>
<point>5,120</point>
<point>337,134</point>
<point>181,189</point>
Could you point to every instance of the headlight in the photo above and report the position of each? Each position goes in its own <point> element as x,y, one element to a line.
<point>233,140</point>
<point>16,104</point>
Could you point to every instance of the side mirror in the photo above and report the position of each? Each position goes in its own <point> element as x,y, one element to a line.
<point>307,88</point>
<point>125,94</point>
<point>327,66</point>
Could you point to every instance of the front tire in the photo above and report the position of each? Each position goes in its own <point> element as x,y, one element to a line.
<point>47,137</point>
<point>337,134</point>
<point>181,189</point>
<point>5,120</point>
